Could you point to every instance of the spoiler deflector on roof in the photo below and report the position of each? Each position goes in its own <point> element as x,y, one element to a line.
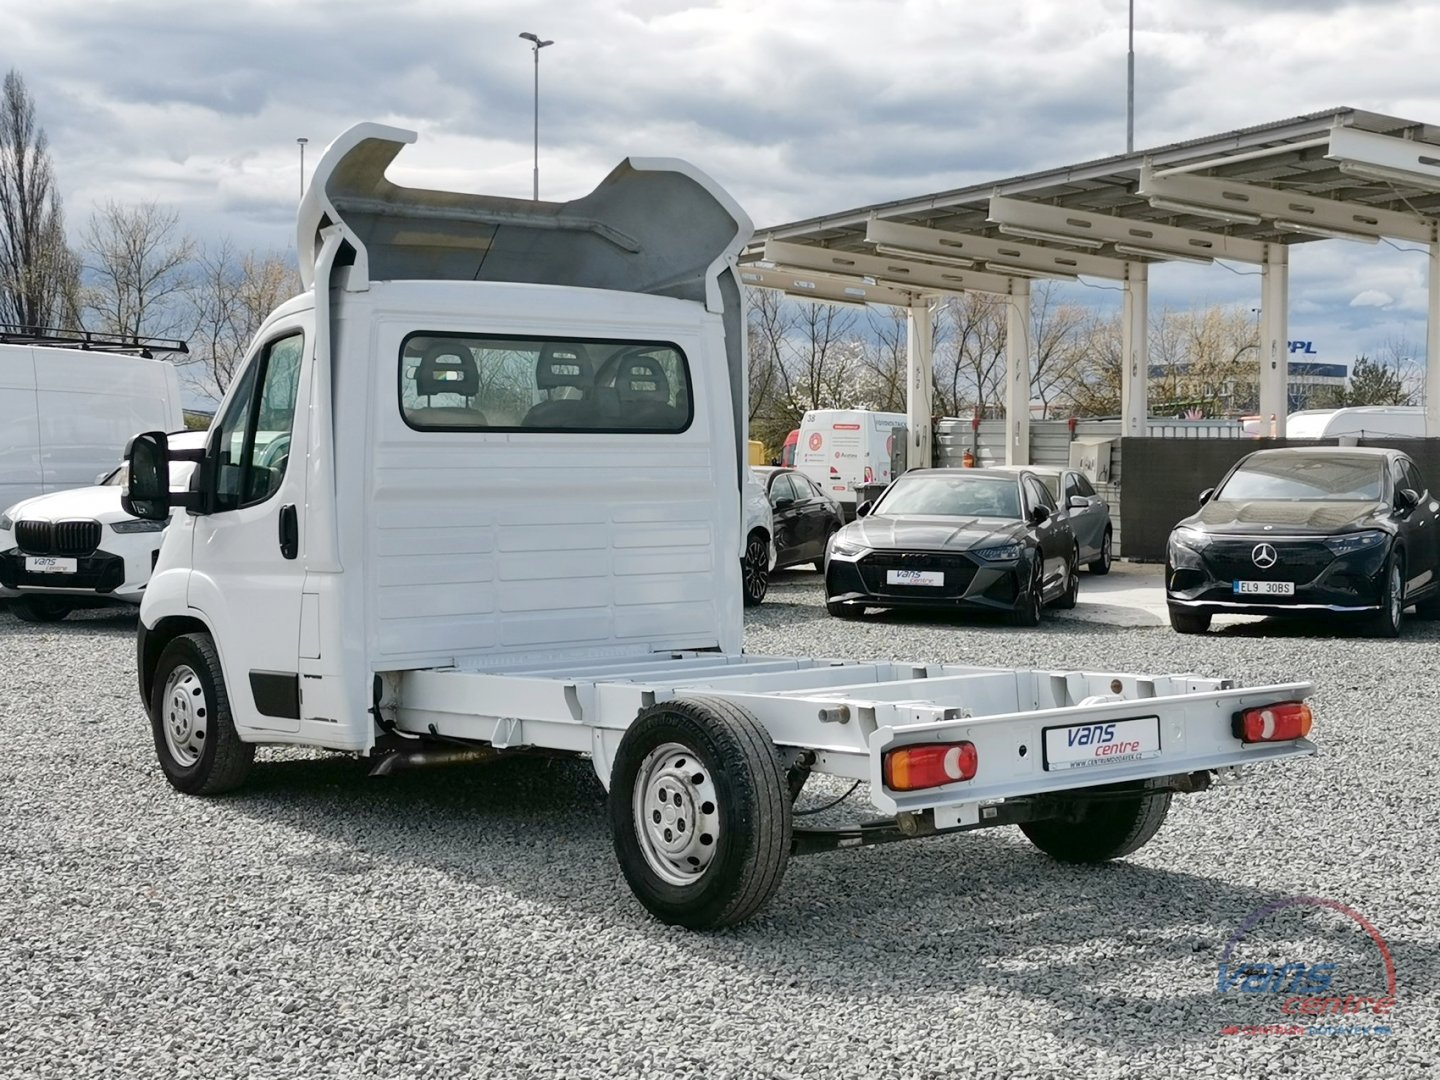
<point>654,225</point>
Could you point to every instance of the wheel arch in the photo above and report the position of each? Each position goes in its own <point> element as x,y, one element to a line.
<point>150,642</point>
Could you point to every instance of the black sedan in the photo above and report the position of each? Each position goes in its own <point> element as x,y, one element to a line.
<point>805,516</point>
<point>1308,531</point>
<point>955,538</point>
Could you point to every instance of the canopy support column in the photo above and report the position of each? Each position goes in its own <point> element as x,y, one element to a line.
<point>1017,374</point>
<point>919,381</point>
<point>1135,350</point>
<point>1274,339</point>
<point>1432,346</point>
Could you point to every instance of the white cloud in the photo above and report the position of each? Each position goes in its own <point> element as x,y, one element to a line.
<point>1372,298</point>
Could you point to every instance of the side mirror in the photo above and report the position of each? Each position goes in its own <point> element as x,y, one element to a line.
<point>1040,515</point>
<point>1078,502</point>
<point>782,504</point>
<point>1205,496</point>
<point>1407,499</point>
<point>147,489</point>
<point>864,508</point>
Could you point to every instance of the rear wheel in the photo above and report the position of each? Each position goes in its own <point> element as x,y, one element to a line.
<point>1387,621</point>
<point>1189,622</point>
<point>1106,823</point>
<point>1031,600</point>
<point>40,609</point>
<point>700,813</point>
<point>755,569</point>
<point>195,738</point>
<point>1102,564</point>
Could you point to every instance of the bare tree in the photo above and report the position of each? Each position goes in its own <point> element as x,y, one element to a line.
<point>1057,340</point>
<point>970,368</point>
<point>137,262</point>
<point>38,273</point>
<point>230,296</point>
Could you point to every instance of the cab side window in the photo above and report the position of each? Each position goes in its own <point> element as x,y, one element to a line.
<point>1037,495</point>
<point>1412,478</point>
<point>251,440</point>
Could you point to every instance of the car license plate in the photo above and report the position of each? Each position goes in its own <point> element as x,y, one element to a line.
<point>48,564</point>
<point>1109,742</point>
<point>914,577</point>
<point>1264,588</point>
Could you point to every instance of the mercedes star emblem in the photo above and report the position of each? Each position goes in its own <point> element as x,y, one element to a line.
<point>1263,556</point>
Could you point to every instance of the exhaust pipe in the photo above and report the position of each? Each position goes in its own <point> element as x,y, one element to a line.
<point>402,760</point>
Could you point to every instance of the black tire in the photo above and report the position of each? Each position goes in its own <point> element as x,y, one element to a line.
<point>844,611</point>
<point>1101,565</point>
<point>1071,593</point>
<point>755,569</point>
<point>736,764</point>
<point>819,563</point>
<point>1030,603</point>
<point>40,609</point>
<point>1189,622</point>
<point>1387,622</point>
<point>195,701</point>
<point>1103,828</point>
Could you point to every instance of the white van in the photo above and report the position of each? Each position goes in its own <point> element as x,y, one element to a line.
<point>66,412</point>
<point>501,515</point>
<point>1369,421</point>
<point>845,449</point>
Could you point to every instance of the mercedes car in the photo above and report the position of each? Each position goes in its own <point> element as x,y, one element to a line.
<point>1313,531</point>
<point>956,539</point>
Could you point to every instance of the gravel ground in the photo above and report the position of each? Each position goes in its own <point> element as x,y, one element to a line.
<point>472,922</point>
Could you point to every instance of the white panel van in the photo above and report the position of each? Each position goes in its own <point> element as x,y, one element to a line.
<point>844,449</point>
<point>1369,421</point>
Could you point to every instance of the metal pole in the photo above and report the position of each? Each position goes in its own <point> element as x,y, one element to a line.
<point>1130,87</point>
<point>302,141</point>
<point>537,121</point>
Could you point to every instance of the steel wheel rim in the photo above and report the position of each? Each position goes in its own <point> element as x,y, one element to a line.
<point>1397,602</point>
<point>755,568</point>
<point>185,715</point>
<point>677,814</point>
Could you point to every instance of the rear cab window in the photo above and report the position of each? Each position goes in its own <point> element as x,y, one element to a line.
<point>458,382</point>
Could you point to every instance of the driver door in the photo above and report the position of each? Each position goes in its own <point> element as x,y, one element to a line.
<point>247,575</point>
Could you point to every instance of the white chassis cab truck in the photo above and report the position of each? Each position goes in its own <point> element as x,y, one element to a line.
<point>478,490</point>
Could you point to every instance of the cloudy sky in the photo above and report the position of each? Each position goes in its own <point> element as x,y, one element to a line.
<point>799,107</point>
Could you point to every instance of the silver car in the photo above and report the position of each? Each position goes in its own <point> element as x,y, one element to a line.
<point>1088,512</point>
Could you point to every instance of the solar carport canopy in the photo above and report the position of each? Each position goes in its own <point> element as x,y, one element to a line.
<point>1244,196</point>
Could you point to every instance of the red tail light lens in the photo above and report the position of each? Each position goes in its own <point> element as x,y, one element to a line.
<point>911,768</point>
<point>1274,723</point>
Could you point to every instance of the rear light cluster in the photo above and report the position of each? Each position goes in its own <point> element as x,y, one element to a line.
<point>1273,723</point>
<point>929,765</point>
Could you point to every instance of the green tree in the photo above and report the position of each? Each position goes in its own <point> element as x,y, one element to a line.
<point>1378,382</point>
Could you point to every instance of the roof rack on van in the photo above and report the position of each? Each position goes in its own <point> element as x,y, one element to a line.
<point>14,334</point>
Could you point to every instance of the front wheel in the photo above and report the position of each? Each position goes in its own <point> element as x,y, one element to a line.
<point>1387,621</point>
<point>1102,564</point>
<point>1189,622</point>
<point>755,569</point>
<point>1031,600</point>
<point>700,813</point>
<point>819,563</point>
<point>195,739</point>
<point>1105,823</point>
<point>1071,593</point>
<point>40,609</point>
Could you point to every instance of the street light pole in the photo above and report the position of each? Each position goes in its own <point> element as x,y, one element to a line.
<point>537,45</point>
<point>302,141</point>
<point>1130,87</point>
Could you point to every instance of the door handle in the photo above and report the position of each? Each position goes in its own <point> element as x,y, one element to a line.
<point>289,531</point>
